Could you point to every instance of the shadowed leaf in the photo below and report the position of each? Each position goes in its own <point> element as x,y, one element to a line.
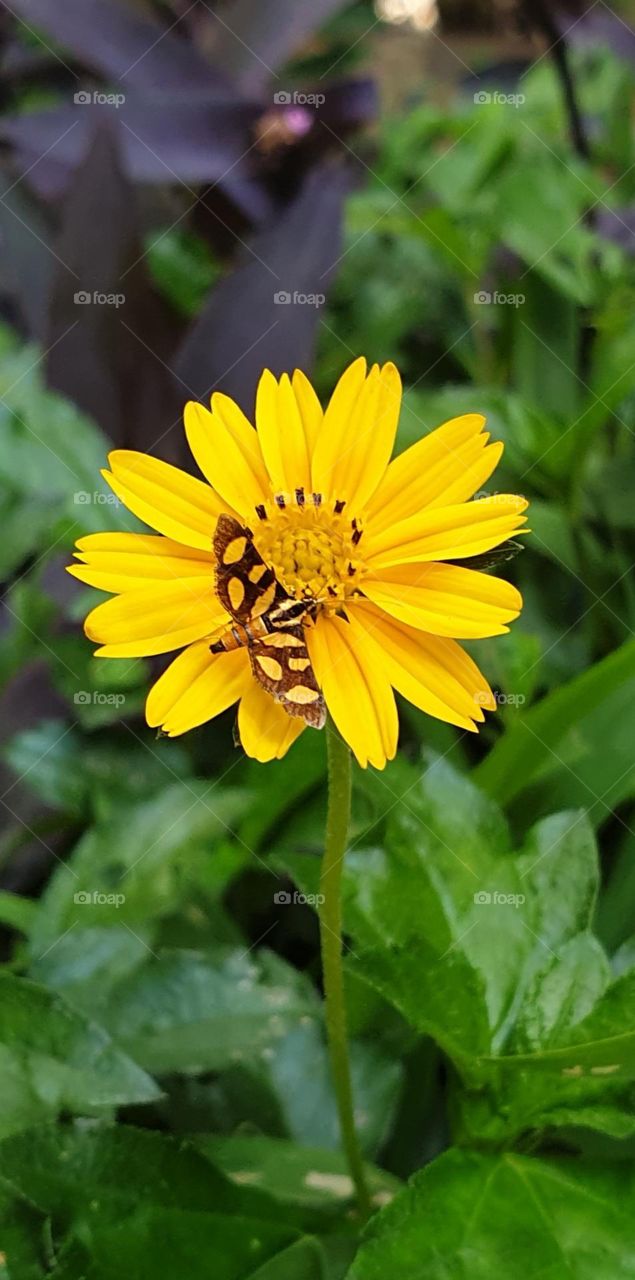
<point>266,313</point>
<point>115,40</point>
<point>109,335</point>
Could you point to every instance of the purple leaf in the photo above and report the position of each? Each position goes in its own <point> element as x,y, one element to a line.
<point>26,253</point>
<point>266,313</point>
<point>110,336</point>
<point>116,41</point>
<point>618,225</point>
<point>161,141</point>
<point>250,41</point>
<point>598,26</point>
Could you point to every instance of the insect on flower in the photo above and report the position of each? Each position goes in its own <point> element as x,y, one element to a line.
<point>268,622</point>
<point>310,572</point>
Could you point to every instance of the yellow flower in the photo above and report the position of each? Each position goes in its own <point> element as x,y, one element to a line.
<point>339,524</point>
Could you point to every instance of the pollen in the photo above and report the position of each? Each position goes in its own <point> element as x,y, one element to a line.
<point>312,548</point>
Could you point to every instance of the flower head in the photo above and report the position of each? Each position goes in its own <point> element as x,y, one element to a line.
<point>324,539</point>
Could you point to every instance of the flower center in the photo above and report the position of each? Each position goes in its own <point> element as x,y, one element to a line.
<point>312,549</point>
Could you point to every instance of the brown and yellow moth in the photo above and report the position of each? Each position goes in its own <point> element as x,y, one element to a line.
<point>268,622</point>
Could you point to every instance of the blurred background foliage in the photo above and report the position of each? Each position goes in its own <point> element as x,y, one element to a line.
<point>458,185</point>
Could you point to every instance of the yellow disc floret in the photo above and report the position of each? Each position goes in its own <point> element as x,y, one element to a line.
<point>311,548</point>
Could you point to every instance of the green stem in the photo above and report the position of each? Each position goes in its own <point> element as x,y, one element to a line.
<point>337,824</point>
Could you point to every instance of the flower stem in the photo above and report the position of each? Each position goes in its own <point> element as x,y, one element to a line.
<point>337,824</point>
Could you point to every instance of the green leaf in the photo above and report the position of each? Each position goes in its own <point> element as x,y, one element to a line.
<point>547,231</point>
<point>114,1194</point>
<point>138,863</point>
<point>52,1059</point>
<point>298,1070</point>
<point>182,266</point>
<point>490,953</point>
<point>559,736</point>
<point>311,1177</point>
<point>23,1231</point>
<point>45,435</point>
<point>601,1044</point>
<point>16,911</point>
<point>190,1012</point>
<point>479,1216</point>
<point>546,351</point>
<point>85,776</point>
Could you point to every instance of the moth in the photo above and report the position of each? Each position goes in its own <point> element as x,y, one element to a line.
<point>267,621</point>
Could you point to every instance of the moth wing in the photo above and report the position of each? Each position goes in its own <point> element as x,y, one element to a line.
<point>281,664</point>
<point>245,586</point>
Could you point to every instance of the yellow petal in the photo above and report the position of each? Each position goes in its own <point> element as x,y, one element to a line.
<point>285,444</point>
<point>432,672</point>
<point>445,599</point>
<point>178,505</point>
<point>157,618</point>
<point>266,730</point>
<point>127,561</point>
<point>421,474</point>
<point>471,477</point>
<point>227,451</point>
<point>197,686</point>
<point>447,533</point>
<point>357,435</point>
<point>356,689</point>
<point>309,406</point>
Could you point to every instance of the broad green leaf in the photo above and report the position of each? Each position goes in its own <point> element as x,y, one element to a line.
<point>16,911</point>
<point>117,1195</point>
<point>52,1059</point>
<point>24,1243</point>
<point>46,436</point>
<point>299,1071</point>
<point>560,735</point>
<point>601,1044</point>
<point>478,1216</point>
<point>546,350</point>
<point>312,1177</point>
<point>138,863</point>
<point>191,1012</point>
<point>84,776</point>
